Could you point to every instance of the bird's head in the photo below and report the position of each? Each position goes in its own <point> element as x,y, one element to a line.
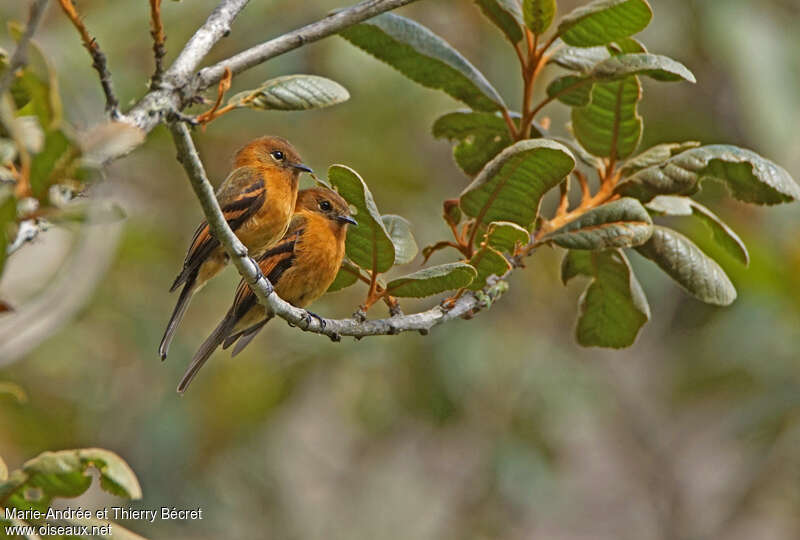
<point>327,203</point>
<point>274,153</point>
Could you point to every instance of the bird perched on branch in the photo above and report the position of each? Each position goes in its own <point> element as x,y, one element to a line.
<point>257,200</point>
<point>300,267</point>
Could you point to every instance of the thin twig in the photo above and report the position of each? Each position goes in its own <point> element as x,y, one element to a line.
<point>98,58</point>
<point>467,304</point>
<point>159,51</point>
<point>20,56</point>
<point>215,112</point>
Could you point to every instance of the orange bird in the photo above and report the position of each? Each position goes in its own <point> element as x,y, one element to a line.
<point>257,199</point>
<point>300,267</point>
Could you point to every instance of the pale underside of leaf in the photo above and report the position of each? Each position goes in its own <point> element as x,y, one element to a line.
<point>749,177</point>
<point>692,269</point>
<point>293,93</point>
<point>619,224</point>
<point>723,235</point>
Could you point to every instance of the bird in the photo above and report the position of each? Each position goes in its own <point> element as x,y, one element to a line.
<point>257,199</point>
<point>300,268</point>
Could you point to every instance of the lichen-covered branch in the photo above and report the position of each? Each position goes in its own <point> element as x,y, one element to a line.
<point>98,58</point>
<point>422,322</point>
<point>20,56</point>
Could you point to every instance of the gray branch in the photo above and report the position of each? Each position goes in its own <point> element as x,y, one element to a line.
<point>330,25</point>
<point>181,85</point>
<point>422,322</point>
<point>217,26</point>
<point>20,56</point>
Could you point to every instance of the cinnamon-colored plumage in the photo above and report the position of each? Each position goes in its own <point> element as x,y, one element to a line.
<point>300,267</point>
<point>257,199</point>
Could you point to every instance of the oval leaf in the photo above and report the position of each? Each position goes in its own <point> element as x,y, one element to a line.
<point>619,224</point>
<point>293,93</point>
<point>116,477</point>
<point>684,262</point>
<point>613,308</point>
<point>724,236</point>
<point>538,14</point>
<point>661,68</point>
<point>582,59</point>
<point>481,136</point>
<point>506,15</point>
<point>511,186</point>
<point>610,125</point>
<point>424,57</point>
<point>433,280</point>
<point>405,246</point>
<point>8,214</point>
<point>505,236</point>
<point>488,262</point>
<point>655,155</point>
<point>604,21</point>
<point>749,177</point>
<point>368,245</point>
<point>348,275</point>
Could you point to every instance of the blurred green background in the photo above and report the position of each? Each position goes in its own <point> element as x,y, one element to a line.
<point>498,427</point>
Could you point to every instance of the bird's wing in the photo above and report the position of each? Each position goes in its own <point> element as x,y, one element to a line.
<point>240,196</point>
<point>273,263</point>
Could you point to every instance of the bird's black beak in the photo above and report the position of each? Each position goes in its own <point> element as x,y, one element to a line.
<point>301,167</point>
<point>347,219</point>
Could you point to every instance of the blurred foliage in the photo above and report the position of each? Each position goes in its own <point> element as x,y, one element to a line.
<point>498,427</point>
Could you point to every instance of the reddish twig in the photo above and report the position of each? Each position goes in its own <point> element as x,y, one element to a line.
<point>159,50</point>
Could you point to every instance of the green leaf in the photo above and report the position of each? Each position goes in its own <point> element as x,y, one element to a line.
<point>571,90</point>
<point>749,177</point>
<point>505,236</point>
<point>432,280</point>
<point>626,45</point>
<point>604,21</point>
<point>619,224</point>
<point>405,246</point>
<point>33,97</point>
<point>610,125</point>
<point>481,136</point>
<point>369,244</point>
<point>723,235</point>
<point>613,308</point>
<point>64,474</point>
<point>576,90</point>
<point>656,66</point>
<point>487,262</point>
<point>8,215</point>
<point>506,15</point>
<point>424,57</point>
<point>538,14</point>
<point>292,93</point>
<point>655,155</point>
<point>348,275</point>
<point>581,59</point>
<point>684,262</point>
<point>511,186</point>
<point>451,212</point>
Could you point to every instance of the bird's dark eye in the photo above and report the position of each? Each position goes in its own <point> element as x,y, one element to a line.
<point>325,206</point>
<point>278,155</point>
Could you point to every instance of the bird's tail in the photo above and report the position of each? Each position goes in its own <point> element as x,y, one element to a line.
<point>206,349</point>
<point>177,315</point>
<point>244,337</point>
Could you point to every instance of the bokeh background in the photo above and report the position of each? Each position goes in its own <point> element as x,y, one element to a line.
<point>498,427</point>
